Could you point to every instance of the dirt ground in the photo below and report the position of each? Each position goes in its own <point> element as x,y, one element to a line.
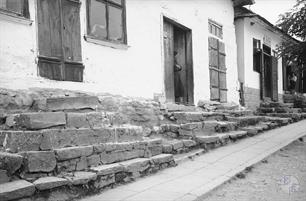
<point>281,177</point>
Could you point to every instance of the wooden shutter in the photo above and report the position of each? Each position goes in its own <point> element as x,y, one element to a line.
<point>217,69</point>
<point>274,79</point>
<point>169,62</point>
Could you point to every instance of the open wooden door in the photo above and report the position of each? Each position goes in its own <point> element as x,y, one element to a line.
<point>274,79</point>
<point>178,52</point>
<point>59,40</point>
<point>169,61</point>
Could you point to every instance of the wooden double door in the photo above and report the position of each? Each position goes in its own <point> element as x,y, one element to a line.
<point>178,52</point>
<point>59,40</point>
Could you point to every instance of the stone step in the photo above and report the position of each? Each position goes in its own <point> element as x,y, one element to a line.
<point>178,146</point>
<point>17,141</point>
<point>67,103</point>
<point>237,113</point>
<point>91,181</point>
<point>280,120</point>
<point>187,117</point>
<point>294,116</point>
<point>79,158</point>
<point>16,189</point>
<point>44,120</point>
<point>196,128</point>
<point>254,130</point>
<point>245,120</point>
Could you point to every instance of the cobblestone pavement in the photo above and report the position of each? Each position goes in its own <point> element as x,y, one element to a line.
<point>281,177</point>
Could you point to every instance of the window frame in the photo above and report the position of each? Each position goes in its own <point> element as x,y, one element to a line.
<point>25,11</point>
<point>123,20</point>
<point>212,23</point>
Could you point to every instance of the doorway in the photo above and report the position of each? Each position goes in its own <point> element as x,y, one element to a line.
<point>59,40</point>
<point>178,63</point>
<point>269,75</point>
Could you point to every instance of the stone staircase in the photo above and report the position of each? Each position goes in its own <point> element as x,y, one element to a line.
<point>65,148</point>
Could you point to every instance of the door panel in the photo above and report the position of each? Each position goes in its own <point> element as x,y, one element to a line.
<point>168,61</point>
<point>49,28</point>
<point>274,79</point>
<point>71,30</point>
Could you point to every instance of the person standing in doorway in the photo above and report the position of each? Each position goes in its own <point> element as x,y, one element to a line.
<point>292,81</point>
<point>178,85</point>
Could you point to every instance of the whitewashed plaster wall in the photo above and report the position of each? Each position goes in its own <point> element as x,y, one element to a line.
<point>137,70</point>
<point>258,31</point>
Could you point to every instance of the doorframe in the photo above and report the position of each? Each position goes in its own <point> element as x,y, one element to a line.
<point>189,56</point>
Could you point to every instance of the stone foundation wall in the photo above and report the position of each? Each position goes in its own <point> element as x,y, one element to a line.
<point>252,98</point>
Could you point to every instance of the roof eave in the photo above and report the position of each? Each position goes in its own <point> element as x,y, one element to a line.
<point>243,2</point>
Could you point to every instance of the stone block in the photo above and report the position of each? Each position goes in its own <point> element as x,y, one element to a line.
<point>41,120</point>
<point>71,103</point>
<point>112,157</point>
<point>77,120</point>
<point>154,142</point>
<point>185,133</point>
<point>189,143</point>
<point>185,117</point>
<point>162,158</point>
<point>81,164</point>
<point>136,165</point>
<point>224,138</point>
<point>152,151</point>
<point>40,161</point>
<point>191,126</point>
<point>10,162</point>
<point>128,133</point>
<point>16,189</point>
<point>108,169</point>
<point>73,152</point>
<point>78,137</point>
<point>207,139</point>
<point>46,183</point>
<point>177,145</point>
<point>93,160</point>
<point>104,180</point>
<point>210,126</point>
<point>167,148</point>
<point>95,119</point>
<point>67,166</point>
<point>4,178</point>
<point>99,148</point>
<point>82,177</point>
<point>237,134</point>
<point>251,130</point>
<point>18,141</point>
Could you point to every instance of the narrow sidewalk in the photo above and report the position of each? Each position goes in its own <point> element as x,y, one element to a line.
<point>195,178</point>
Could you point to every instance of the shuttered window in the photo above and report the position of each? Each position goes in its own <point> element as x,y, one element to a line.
<point>215,29</point>
<point>217,70</point>
<point>15,7</point>
<point>106,20</point>
<point>256,55</point>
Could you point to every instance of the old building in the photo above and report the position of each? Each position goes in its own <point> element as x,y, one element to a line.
<point>262,74</point>
<point>122,47</point>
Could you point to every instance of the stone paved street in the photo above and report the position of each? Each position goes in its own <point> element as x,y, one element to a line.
<point>280,177</point>
<point>191,180</point>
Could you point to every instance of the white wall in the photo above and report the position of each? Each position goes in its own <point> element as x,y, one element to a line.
<point>257,31</point>
<point>137,70</point>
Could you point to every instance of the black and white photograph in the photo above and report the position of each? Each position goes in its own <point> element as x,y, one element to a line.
<point>152,100</point>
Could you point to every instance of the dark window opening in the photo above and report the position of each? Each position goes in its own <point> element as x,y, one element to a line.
<point>256,55</point>
<point>106,20</point>
<point>15,7</point>
<point>215,29</point>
